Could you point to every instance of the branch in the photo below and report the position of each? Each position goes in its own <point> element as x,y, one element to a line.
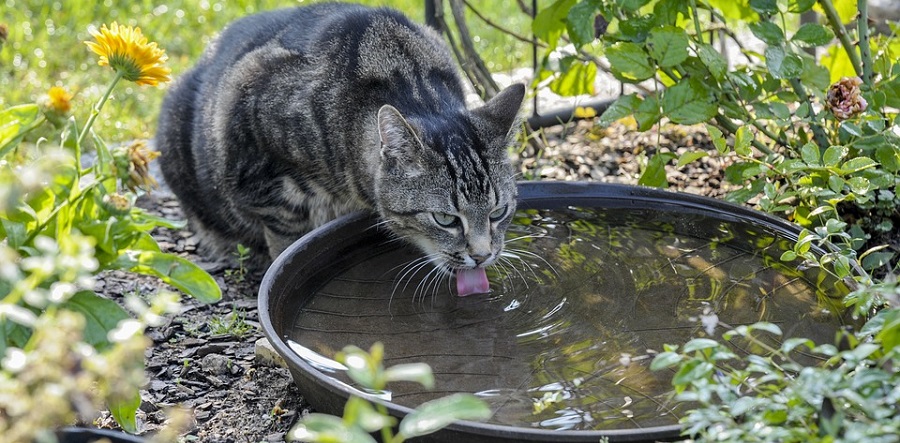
<point>506,31</point>
<point>862,25</point>
<point>835,20</point>
<point>479,70</point>
<point>732,128</point>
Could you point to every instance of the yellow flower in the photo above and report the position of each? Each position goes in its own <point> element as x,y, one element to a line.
<point>126,50</point>
<point>585,112</point>
<point>59,100</point>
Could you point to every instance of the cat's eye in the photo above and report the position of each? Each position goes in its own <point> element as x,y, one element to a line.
<point>446,220</point>
<point>499,213</point>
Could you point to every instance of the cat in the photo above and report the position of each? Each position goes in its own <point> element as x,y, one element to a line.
<point>294,117</point>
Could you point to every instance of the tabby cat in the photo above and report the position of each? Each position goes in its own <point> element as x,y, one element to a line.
<point>294,117</point>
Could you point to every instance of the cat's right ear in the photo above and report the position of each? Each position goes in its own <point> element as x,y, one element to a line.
<point>400,145</point>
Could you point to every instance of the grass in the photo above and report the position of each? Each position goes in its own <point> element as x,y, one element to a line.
<point>45,48</point>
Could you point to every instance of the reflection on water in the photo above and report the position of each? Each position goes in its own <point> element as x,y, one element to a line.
<point>583,298</point>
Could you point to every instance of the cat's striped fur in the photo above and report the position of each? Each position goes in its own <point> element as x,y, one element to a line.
<point>294,117</point>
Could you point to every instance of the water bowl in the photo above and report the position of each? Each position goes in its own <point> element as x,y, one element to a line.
<point>595,278</point>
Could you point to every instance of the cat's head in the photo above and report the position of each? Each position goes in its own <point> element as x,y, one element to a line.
<point>445,182</point>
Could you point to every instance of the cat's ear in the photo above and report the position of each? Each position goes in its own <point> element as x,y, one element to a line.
<point>400,145</point>
<point>501,111</point>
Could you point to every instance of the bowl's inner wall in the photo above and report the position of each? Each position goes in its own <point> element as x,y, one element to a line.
<point>584,292</point>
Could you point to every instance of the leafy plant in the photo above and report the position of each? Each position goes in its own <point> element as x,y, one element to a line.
<point>363,417</point>
<point>810,147</point>
<point>64,219</point>
<point>233,324</point>
<point>814,139</point>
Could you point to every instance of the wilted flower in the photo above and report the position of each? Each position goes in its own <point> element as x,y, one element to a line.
<point>126,50</point>
<point>4,33</point>
<point>133,166</point>
<point>844,99</point>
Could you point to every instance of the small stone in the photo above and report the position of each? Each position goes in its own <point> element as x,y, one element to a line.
<point>266,355</point>
<point>215,364</point>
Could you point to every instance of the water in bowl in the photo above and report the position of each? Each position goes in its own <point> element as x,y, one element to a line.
<point>579,304</point>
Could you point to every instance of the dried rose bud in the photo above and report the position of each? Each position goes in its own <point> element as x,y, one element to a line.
<point>844,99</point>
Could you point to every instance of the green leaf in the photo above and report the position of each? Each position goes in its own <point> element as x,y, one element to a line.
<point>743,138</point>
<point>323,428</point>
<point>415,372</point>
<point>665,360</point>
<point>717,138</point>
<point>15,122</point>
<point>692,370</point>
<point>793,342</point>
<point>101,315</point>
<point>699,344</point>
<point>124,410</point>
<point>768,32</point>
<point>857,164</point>
<point>576,79</point>
<point>647,113</point>
<point>859,185</point>
<point>361,413</point>
<point>689,102</point>
<point>580,22</point>
<point>812,34</point>
<point>810,154</point>
<point>889,157</point>
<point>713,60</point>
<point>783,64</point>
<point>621,108</point>
<point>690,156</point>
<point>629,62</point>
<point>176,271</point>
<point>668,46</point>
<point>631,5</point>
<point>876,260</point>
<point>834,154</point>
<point>764,6</point>
<point>768,327</point>
<point>733,10</point>
<point>655,174</point>
<point>788,256</point>
<point>798,6</point>
<point>550,22</point>
<point>437,414</point>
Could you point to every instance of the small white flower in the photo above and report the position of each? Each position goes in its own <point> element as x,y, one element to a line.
<point>14,360</point>
<point>709,320</point>
<point>125,330</point>
<point>61,291</point>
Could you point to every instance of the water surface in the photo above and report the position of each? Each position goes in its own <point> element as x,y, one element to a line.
<point>577,307</point>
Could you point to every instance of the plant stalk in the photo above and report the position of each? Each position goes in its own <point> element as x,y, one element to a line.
<point>865,51</point>
<point>696,20</point>
<point>732,128</point>
<point>94,113</point>
<point>835,20</point>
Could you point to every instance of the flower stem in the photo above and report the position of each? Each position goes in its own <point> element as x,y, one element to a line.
<point>94,113</point>
<point>696,20</point>
<point>818,132</point>
<point>862,25</point>
<point>835,20</point>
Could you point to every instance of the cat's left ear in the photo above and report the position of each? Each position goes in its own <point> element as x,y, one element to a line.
<point>501,111</point>
<point>400,145</point>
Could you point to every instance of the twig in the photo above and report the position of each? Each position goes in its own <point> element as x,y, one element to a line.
<point>506,31</point>
<point>835,20</point>
<point>732,128</point>
<point>439,18</point>
<point>479,70</point>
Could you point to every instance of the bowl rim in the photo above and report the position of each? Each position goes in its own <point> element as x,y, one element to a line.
<point>532,195</point>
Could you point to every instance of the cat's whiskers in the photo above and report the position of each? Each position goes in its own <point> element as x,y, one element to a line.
<point>504,261</point>
<point>517,253</point>
<point>409,270</point>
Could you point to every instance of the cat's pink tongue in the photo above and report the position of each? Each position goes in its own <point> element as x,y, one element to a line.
<point>471,281</point>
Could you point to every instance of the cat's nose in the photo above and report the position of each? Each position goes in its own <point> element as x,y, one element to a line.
<point>480,258</point>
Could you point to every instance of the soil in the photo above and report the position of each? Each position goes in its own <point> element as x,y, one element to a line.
<point>204,358</point>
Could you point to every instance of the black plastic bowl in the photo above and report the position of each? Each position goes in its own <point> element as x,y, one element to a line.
<point>318,257</point>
